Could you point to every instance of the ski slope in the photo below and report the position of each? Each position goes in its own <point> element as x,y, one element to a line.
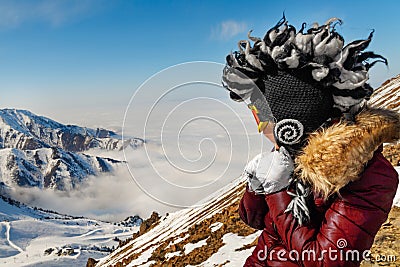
<point>26,234</point>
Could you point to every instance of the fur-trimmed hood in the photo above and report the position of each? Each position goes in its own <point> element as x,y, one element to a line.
<point>337,155</point>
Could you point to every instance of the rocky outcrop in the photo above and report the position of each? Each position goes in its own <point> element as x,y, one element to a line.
<point>392,153</point>
<point>91,262</point>
<point>386,248</point>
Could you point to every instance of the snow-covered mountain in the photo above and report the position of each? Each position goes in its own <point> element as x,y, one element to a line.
<point>212,234</point>
<point>49,167</point>
<point>24,130</point>
<point>40,152</point>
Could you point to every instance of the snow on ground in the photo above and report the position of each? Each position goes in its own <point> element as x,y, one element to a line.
<point>189,247</point>
<point>177,240</point>
<point>215,226</point>
<point>143,258</point>
<point>172,254</point>
<point>8,227</point>
<point>31,237</point>
<point>65,261</point>
<point>180,239</point>
<point>228,253</point>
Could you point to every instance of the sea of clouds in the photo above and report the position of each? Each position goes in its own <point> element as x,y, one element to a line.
<point>197,141</point>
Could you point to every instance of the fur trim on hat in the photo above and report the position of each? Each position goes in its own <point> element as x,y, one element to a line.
<point>338,154</point>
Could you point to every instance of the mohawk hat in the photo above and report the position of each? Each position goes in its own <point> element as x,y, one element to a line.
<point>300,80</point>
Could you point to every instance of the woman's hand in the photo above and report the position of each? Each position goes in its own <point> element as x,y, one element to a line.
<point>269,172</point>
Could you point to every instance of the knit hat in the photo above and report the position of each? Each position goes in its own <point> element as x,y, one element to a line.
<point>300,80</point>
<point>297,112</point>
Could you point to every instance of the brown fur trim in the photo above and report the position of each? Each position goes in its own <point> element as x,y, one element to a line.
<point>335,156</point>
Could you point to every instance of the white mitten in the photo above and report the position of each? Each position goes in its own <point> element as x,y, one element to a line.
<point>250,174</point>
<point>269,172</point>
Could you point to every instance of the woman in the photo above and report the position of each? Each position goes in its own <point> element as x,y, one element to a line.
<point>324,191</point>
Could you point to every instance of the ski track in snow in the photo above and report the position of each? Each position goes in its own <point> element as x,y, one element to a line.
<point>88,233</point>
<point>8,228</point>
<point>26,236</point>
<point>34,251</point>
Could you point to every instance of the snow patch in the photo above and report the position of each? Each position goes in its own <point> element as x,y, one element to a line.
<point>172,254</point>
<point>215,226</point>
<point>191,246</point>
<point>177,241</point>
<point>143,258</point>
<point>228,253</point>
<point>180,239</point>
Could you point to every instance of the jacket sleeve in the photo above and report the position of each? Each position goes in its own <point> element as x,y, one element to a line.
<point>350,223</point>
<point>252,209</point>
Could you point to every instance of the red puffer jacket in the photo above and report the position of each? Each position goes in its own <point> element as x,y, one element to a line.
<point>342,229</point>
<point>349,223</point>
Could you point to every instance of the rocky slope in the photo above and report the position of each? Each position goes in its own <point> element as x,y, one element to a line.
<point>213,234</point>
<point>190,236</point>
<point>387,95</point>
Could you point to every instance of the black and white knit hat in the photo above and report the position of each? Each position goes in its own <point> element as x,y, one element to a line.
<point>303,77</point>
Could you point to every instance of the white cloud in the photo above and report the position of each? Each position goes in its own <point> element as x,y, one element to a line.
<point>228,29</point>
<point>56,13</point>
<point>108,197</point>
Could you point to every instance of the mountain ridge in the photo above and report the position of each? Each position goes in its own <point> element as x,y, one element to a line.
<point>22,129</point>
<point>36,151</point>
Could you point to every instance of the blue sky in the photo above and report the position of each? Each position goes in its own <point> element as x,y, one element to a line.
<point>79,54</point>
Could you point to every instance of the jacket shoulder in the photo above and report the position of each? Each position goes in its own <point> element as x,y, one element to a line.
<point>377,185</point>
